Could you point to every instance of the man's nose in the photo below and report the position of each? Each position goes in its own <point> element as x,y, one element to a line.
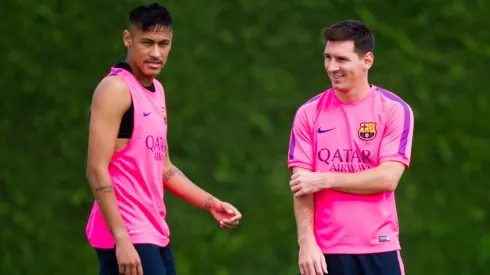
<point>155,51</point>
<point>332,66</point>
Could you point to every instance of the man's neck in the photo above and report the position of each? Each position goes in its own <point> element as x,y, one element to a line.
<point>355,95</point>
<point>146,81</point>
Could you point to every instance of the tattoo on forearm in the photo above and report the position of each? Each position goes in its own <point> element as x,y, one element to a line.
<point>106,188</point>
<point>171,172</point>
<point>208,203</point>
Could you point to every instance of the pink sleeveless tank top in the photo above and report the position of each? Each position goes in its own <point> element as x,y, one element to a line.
<point>137,172</point>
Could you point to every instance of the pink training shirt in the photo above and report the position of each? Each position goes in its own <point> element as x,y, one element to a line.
<point>137,172</point>
<point>331,136</point>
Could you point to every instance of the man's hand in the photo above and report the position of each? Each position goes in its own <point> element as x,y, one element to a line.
<point>311,260</point>
<point>128,259</point>
<point>226,214</point>
<point>305,182</point>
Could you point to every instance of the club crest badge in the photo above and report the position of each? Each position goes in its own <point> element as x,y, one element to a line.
<point>164,114</point>
<point>367,131</point>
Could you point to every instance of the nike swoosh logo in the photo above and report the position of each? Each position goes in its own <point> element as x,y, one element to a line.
<point>146,114</point>
<point>320,131</point>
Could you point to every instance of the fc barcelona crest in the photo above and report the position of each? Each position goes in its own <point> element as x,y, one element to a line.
<point>164,114</point>
<point>367,131</point>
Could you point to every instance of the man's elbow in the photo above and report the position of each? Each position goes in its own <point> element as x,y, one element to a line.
<point>94,172</point>
<point>390,174</point>
<point>390,182</point>
<point>168,170</point>
<point>89,172</point>
<point>391,186</point>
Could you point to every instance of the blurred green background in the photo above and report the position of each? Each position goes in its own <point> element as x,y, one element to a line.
<point>237,72</point>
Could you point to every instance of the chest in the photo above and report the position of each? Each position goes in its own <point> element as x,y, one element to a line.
<point>151,114</point>
<point>151,127</point>
<point>348,139</point>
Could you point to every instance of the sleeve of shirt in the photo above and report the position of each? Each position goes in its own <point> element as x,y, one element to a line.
<point>300,144</point>
<point>396,144</point>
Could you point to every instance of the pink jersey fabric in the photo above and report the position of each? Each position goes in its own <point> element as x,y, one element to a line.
<point>137,172</point>
<point>331,136</point>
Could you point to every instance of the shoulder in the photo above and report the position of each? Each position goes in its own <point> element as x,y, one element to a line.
<point>112,84</point>
<point>157,83</point>
<point>311,106</point>
<point>390,98</point>
<point>306,114</point>
<point>112,90</point>
<point>392,102</point>
<point>159,87</point>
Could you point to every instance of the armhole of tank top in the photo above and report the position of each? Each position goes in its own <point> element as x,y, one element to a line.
<point>131,106</point>
<point>135,124</point>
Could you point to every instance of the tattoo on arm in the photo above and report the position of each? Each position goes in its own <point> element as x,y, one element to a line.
<point>171,172</point>
<point>106,188</point>
<point>208,203</point>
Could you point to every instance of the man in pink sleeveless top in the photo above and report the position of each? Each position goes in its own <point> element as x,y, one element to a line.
<point>349,148</point>
<point>128,163</point>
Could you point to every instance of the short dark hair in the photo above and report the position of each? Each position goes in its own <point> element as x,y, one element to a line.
<point>351,30</point>
<point>150,17</point>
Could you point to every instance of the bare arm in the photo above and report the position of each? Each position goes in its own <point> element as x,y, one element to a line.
<point>304,213</point>
<point>110,101</point>
<point>383,178</point>
<point>178,184</point>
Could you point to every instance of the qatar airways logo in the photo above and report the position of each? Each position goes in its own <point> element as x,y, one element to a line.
<point>157,145</point>
<point>345,160</point>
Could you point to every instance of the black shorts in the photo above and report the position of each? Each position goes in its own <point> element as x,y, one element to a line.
<point>155,260</point>
<point>385,263</point>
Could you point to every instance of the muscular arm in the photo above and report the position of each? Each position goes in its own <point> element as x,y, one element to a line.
<point>111,99</point>
<point>383,178</point>
<point>178,184</point>
<point>304,213</point>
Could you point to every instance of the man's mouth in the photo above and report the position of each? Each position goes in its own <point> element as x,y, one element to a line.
<point>154,64</point>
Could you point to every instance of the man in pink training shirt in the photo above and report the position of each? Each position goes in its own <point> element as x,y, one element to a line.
<point>128,164</point>
<point>349,148</point>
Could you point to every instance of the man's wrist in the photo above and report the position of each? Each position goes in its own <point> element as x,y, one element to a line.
<point>120,235</point>
<point>306,240</point>
<point>210,203</point>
